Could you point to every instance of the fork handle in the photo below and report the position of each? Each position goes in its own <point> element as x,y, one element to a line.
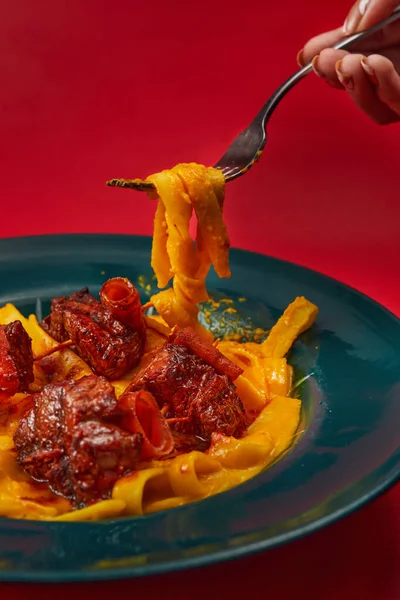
<point>267,110</point>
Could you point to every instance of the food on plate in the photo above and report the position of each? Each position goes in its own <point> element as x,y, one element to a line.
<point>108,333</point>
<point>73,440</point>
<point>16,359</point>
<point>110,407</point>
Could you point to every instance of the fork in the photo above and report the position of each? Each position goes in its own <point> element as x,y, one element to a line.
<point>246,149</point>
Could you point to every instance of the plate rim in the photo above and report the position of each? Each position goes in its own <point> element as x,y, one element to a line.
<point>219,555</point>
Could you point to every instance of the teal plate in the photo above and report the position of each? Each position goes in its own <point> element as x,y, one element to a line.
<point>348,453</point>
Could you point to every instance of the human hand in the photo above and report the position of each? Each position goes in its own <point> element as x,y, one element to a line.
<point>370,73</point>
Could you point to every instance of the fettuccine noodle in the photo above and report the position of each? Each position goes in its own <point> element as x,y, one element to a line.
<point>174,255</point>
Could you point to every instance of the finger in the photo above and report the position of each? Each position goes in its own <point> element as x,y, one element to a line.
<point>384,38</point>
<point>366,13</point>
<point>318,43</point>
<point>324,66</point>
<point>382,72</point>
<point>361,88</point>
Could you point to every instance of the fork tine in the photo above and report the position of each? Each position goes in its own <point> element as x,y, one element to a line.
<point>134,184</point>
<point>231,172</point>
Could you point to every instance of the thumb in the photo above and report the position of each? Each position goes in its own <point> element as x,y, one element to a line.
<point>366,13</point>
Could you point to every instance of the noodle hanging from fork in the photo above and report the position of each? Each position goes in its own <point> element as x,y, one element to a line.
<point>181,190</point>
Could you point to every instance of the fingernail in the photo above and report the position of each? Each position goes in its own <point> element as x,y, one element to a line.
<point>369,71</point>
<point>299,58</point>
<point>314,64</point>
<point>354,17</point>
<point>345,79</point>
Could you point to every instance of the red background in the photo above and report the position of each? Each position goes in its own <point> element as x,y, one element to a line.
<point>94,90</point>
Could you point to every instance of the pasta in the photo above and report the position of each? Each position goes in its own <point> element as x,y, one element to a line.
<point>156,457</point>
<point>179,191</point>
